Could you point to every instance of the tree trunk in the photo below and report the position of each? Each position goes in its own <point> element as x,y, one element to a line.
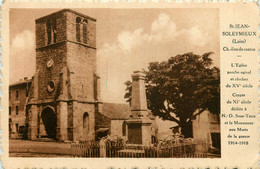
<point>186,129</point>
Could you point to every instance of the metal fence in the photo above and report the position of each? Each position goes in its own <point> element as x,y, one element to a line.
<point>120,150</point>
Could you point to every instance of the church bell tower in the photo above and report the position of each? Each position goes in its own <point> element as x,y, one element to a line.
<point>65,89</point>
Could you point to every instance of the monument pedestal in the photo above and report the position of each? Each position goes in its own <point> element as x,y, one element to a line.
<point>139,131</point>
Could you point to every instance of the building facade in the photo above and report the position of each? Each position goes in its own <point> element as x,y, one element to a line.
<point>18,94</point>
<point>206,128</point>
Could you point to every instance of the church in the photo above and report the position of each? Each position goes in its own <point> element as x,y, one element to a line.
<point>63,97</point>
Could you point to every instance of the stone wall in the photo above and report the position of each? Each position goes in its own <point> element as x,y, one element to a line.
<point>33,112</point>
<point>78,112</point>
<point>57,53</point>
<point>117,128</point>
<point>41,29</point>
<point>82,66</point>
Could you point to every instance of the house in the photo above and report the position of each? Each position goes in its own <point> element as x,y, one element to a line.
<point>206,128</point>
<point>18,94</point>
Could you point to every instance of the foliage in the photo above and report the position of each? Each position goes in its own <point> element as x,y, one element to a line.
<point>114,139</point>
<point>182,88</point>
<point>172,139</point>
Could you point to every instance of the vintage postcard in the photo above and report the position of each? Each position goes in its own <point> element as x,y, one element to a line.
<point>129,84</point>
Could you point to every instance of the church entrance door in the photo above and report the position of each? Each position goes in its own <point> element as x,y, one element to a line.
<point>49,120</point>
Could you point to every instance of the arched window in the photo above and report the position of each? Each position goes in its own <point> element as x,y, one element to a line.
<point>85,22</point>
<point>54,29</point>
<point>78,21</point>
<point>48,26</point>
<point>124,129</point>
<point>95,87</point>
<point>51,26</point>
<point>85,123</point>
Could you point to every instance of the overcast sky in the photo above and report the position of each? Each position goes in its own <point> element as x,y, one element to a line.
<point>127,40</point>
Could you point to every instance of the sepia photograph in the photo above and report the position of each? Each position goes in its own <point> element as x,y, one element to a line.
<point>114,83</point>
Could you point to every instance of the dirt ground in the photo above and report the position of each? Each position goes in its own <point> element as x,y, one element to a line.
<point>25,148</point>
<point>36,155</point>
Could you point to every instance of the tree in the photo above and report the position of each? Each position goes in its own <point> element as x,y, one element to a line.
<point>182,88</point>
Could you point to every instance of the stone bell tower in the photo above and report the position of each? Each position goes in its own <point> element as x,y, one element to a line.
<point>65,95</point>
<point>139,125</point>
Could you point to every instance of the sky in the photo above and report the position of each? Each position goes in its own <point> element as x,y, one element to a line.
<point>127,40</point>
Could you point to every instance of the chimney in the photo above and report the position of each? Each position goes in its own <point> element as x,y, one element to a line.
<point>138,98</point>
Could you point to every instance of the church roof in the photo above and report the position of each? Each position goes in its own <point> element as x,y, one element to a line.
<point>116,111</point>
<point>119,111</point>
